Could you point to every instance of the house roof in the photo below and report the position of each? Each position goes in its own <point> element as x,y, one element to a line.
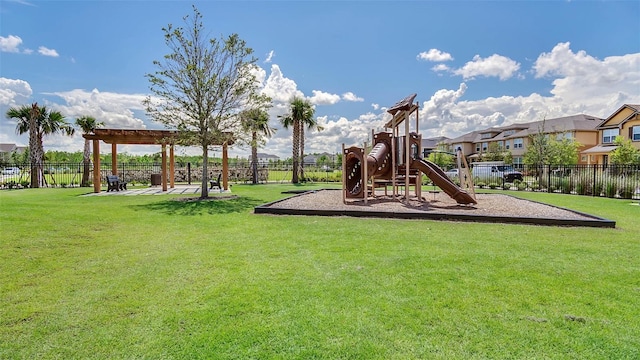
<point>266,156</point>
<point>5,148</point>
<point>579,122</point>
<point>432,143</point>
<point>599,149</point>
<point>634,107</point>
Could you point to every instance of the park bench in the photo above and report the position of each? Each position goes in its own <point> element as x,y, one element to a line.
<point>215,183</point>
<point>115,184</point>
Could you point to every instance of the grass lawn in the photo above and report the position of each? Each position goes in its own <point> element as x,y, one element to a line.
<point>116,277</point>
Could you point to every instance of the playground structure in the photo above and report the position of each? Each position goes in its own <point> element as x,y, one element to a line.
<point>395,161</point>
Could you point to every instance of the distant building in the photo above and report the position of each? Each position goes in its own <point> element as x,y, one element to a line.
<point>265,158</point>
<point>314,159</point>
<point>431,144</point>
<point>516,138</point>
<point>6,150</point>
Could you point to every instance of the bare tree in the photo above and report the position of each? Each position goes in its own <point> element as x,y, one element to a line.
<point>201,86</point>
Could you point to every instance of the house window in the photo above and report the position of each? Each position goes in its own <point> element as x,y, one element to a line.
<point>500,144</point>
<point>566,135</point>
<point>608,135</point>
<point>485,136</point>
<point>635,133</point>
<point>509,132</point>
<point>518,143</point>
<point>478,147</point>
<point>517,160</point>
<point>485,146</point>
<point>507,144</point>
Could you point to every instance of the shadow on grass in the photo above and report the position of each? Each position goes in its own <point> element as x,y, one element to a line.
<point>209,206</point>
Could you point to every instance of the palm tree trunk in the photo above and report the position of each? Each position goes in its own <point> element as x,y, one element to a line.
<point>86,161</point>
<point>254,157</point>
<point>34,154</point>
<point>302,151</point>
<point>296,151</point>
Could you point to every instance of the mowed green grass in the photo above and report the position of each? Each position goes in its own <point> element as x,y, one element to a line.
<point>132,277</point>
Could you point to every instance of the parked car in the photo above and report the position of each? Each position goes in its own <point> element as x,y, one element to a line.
<point>495,170</point>
<point>452,174</point>
<point>11,171</point>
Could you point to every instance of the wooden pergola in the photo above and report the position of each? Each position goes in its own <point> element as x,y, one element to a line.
<point>144,137</point>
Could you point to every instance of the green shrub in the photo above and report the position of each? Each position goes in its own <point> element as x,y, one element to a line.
<point>507,186</point>
<point>583,187</point>
<point>597,188</point>
<point>627,191</point>
<point>25,183</point>
<point>566,186</point>
<point>522,186</point>
<point>611,189</point>
<point>493,186</point>
<point>481,184</point>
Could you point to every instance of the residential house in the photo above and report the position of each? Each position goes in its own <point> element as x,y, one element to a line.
<point>516,138</point>
<point>623,122</point>
<point>314,159</point>
<point>6,150</point>
<point>265,158</point>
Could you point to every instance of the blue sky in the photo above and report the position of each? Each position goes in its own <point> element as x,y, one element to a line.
<point>473,64</point>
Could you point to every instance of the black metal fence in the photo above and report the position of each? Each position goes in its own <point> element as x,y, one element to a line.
<point>619,181</point>
<point>622,181</point>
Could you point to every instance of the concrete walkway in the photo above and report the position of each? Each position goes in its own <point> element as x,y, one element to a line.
<point>156,190</point>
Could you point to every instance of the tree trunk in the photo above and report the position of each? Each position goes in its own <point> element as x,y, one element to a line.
<point>302,152</point>
<point>34,154</point>
<point>296,151</point>
<point>254,157</point>
<point>86,161</point>
<point>204,190</point>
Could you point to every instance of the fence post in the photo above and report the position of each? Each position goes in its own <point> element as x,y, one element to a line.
<point>593,183</point>
<point>189,173</point>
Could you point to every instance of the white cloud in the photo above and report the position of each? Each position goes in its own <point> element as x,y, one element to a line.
<point>440,68</point>
<point>280,88</point>
<point>270,56</point>
<point>349,96</point>
<point>113,109</point>
<point>434,55</point>
<point>14,92</point>
<point>493,66</point>
<point>47,52</point>
<point>375,106</point>
<point>10,43</point>
<point>582,78</point>
<point>323,98</point>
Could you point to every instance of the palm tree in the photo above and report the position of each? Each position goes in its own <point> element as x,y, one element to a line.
<point>256,121</point>
<point>87,124</point>
<point>38,122</point>
<point>310,123</point>
<point>300,111</point>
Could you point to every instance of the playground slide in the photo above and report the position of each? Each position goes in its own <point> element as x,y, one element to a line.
<point>439,178</point>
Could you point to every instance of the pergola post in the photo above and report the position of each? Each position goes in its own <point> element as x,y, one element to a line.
<point>96,166</point>
<point>164,167</point>
<point>114,158</point>
<point>225,167</point>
